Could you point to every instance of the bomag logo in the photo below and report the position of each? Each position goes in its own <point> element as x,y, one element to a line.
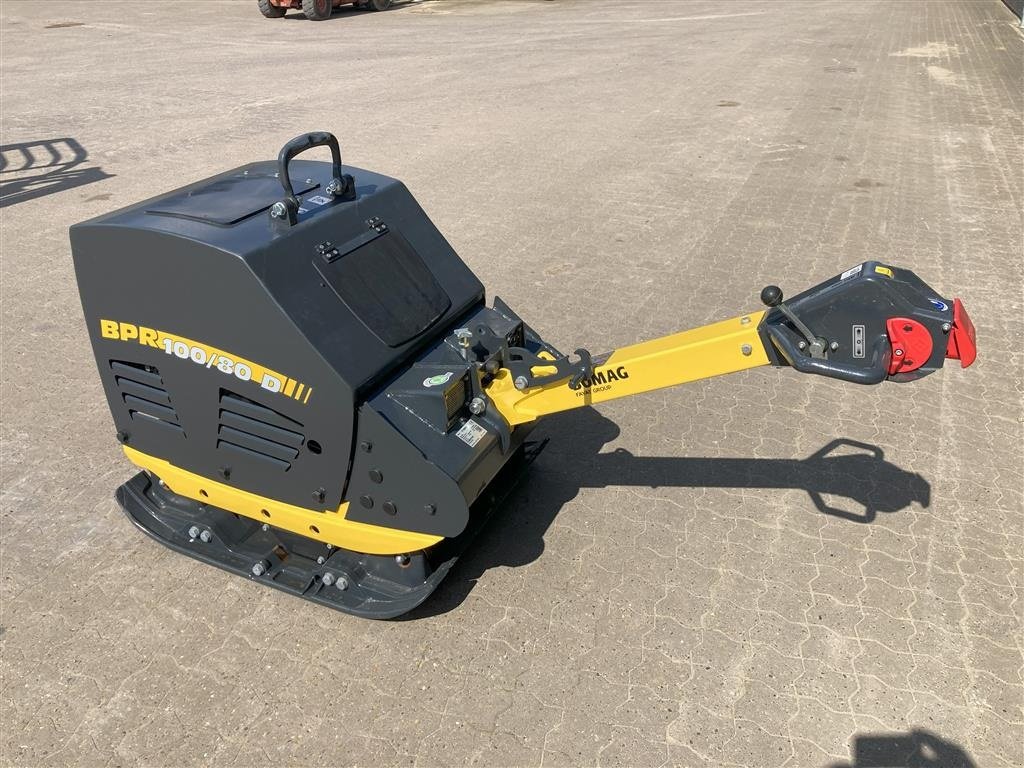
<point>605,376</point>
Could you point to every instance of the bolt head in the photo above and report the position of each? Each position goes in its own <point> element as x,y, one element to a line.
<point>477,406</point>
<point>341,583</point>
<point>834,346</point>
<point>802,345</point>
<point>747,350</point>
<point>193,532</point>
<point>321,560</point>
<point>266,527</point>
<point>520,382</point>
<point>946,327</point>
<point>279,210</point>
<point>258,569</point>
<point>898,352</point>
<point>328,578</point>
<point>334,188</point>
<point>402,560</point>
<point>205,536</point>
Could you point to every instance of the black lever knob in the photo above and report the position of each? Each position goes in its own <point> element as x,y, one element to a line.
<point>771,295</point>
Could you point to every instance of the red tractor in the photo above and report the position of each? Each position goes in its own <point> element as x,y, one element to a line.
<point>316,10</point>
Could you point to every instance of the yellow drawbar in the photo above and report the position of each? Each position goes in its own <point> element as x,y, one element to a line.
<point>711,350</point>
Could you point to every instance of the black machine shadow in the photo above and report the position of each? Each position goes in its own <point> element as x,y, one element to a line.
<point>34,169</point>
<point>915,749</point>
<point>844,470</point>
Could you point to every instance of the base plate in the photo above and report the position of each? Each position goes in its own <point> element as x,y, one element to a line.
<point>371,586</point>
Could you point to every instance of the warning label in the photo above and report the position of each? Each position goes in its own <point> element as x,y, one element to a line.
<point>471,433</point>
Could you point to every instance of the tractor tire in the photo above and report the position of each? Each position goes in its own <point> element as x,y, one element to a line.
<point>271,11</point>
<point>380,5</point>
<point>317,10</point>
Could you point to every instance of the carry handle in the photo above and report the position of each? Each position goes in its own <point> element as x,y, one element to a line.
<point>339,186</point>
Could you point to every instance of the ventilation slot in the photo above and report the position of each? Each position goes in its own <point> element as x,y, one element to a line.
<point>142,390</point>
<point>257,432</point>
<point>455,398</point>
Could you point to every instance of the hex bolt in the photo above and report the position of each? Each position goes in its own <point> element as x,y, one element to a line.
<point>898,352</point>
<point>802,345</point>
<point>477,406</point>
<point>265,527</point>
<point>744,320</point>
<point>341,583</point>
<point>746,349</point>
<point>193,532</point>
<point>834,346</point>
<point>321,560</point>
<point>259,568</point>
<point>279,210</point>
<point>430,509</point>
<point>521,382</point>
<point>205,536</point>
<point>946,327</point>
<point>328,578</point>
<point>403,560</point>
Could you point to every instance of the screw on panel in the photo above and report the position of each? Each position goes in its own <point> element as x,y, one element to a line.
<point>946,327</point>
<point>193,532</point>
<point>265,527</point>
<point>802,345</point>
<point>260,568</point>
<point>746,349</point>
<point>319,495</point>
<point>366,501</point>
<point>328,578</point>
<point>389,507</point>
<point>430,509</point>
<point>342,583</point>
<point>376,476</point>
<point>205,536</point>
<point>520,382</point>
<point>744,321</point>
<point>278,210</point>
<point>403,560</point>
<point>477,406</point>
<point>834,346</point>
<point>366,446</point>
<point>321,560</point>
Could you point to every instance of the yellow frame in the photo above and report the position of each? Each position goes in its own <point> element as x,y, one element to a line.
<point>330,526</point>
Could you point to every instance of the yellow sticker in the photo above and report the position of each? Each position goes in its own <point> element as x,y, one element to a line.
<point>883,271</point>
<point>208,357</point>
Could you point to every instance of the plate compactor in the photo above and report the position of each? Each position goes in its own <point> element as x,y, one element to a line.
<point>320,400</point>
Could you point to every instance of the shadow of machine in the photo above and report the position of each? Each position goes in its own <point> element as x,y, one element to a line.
<point>841,476</point>
<point>35,169</point>
<point>914,749</point>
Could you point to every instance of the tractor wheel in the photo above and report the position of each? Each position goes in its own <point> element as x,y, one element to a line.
<point>271,11</point>
<point>380,5</point>
<point>317,10</point>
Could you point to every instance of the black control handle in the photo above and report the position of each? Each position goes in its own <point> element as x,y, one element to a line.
<point>771,295</point>
<point>874,371</point>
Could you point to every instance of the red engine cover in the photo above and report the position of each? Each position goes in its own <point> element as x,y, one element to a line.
<point>911,344</point>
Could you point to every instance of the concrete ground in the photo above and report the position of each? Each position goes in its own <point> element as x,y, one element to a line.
<point>666,589</point>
